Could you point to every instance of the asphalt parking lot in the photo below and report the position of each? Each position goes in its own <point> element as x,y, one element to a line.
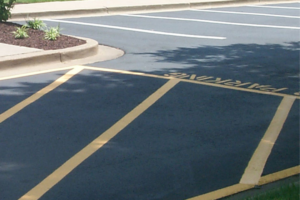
<point>202,100</point>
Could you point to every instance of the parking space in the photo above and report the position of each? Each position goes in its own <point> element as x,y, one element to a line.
<point>289,135</point>
<point>13,92</point>
<point>250,47</point>
<point>169,150</point>
<point>62,122</point>
<point>176,148</point>
<point>200,17</point>
<point>264,10</point>
<point>194,106</point>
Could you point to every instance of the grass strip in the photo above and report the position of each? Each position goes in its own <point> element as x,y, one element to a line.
<point>283,192</point>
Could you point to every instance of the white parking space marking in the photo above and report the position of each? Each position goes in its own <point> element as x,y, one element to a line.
<point>293,8</point>
<point>214,22</point>
<point>245,13</point>
<point>139,30</point>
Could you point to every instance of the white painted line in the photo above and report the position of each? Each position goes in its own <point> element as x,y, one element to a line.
<point>138,30</point>
<point>214,22</point>
<point>245,13</point>
<point>293,8</point>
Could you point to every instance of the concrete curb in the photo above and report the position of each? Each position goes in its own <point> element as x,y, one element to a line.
<point>43,57</point>
<point>63,13</point>
<point>111,10</point>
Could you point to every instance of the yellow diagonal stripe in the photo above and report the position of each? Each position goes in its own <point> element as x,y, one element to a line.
<point>10,112</point>
<point>257,163</point>
<point>91,148</point>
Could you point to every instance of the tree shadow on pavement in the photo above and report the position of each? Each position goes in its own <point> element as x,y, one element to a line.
<point>49,131</point>
<point>271,64</point>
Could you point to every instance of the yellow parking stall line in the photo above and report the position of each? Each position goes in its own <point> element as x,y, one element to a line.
<point>10,112</point>
<point>37,73</point>
<point>192,81</point>
<point>227,191</point>
<point>127,72</point>
<point>240,88</point>
<point>257,163</point>
<point>223,192</point>
<point>279,175</point>
<point>40,189</point>
<point>193,76</point>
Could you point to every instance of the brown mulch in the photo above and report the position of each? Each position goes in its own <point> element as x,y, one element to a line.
<point>36,38</point>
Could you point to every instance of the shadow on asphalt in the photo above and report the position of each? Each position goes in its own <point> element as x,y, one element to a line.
<point>111,96</point>
<point>270,64</point>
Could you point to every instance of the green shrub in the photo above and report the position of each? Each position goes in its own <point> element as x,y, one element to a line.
<point>53,33</point>
<point>5,7</point>
<point>21,32</point>
<point>36,24</point>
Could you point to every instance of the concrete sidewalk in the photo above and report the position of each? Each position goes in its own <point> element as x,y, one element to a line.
<point>103,7</point>
<point>9,50</point>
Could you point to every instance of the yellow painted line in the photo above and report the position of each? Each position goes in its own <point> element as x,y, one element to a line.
<point>10,112</point>
<point>156,76</point>
<point>38,72</point>
<point>239,88</point>
<point>227,191</point>
<point>192,81</point>
<point>193,76</point>
<point>257,163</point>
<point>91,148</point>
<point>126,72</point>
<point>279,175</point>
<point>223,192</point>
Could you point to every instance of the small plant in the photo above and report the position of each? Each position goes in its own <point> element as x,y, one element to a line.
<point>53,33</point>
<point>21,32</point>
<point>36,24</point>
<point>5,7</point>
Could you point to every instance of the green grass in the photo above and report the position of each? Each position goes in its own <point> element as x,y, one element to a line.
<point>38,1</point>
<point>284,192</point>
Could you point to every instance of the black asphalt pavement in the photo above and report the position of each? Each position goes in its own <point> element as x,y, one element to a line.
<point>197,138</point>
<point>179,148</point>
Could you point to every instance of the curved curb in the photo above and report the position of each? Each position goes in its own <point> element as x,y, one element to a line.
<point>90,48</point>
<point>136,8</point>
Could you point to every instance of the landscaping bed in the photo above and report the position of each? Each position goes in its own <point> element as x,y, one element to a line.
<point>36,38</point>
